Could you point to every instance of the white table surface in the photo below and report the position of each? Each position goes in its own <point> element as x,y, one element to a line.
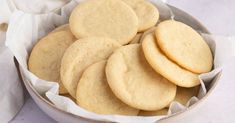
<point>219,17</point>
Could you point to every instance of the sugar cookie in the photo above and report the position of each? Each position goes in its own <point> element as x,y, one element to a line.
<point>94,93</point>
<point>166,67</point>
<point>134,82</point>
<point>184,45</point>
<point>80,55</point>
<point>146,12</point>
<point>104,18</point>
<point>45,58</point>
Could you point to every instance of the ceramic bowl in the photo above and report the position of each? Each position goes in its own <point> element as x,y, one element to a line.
<point>65,117</point>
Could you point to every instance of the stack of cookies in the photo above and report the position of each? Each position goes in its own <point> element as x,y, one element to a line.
<point>114,57</point>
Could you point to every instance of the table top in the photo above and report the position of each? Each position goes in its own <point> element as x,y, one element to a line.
<point>219,17</point>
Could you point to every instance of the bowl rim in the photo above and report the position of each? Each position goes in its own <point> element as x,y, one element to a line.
<point>29,84</point>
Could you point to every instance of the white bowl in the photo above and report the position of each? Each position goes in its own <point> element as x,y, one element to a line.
<point>65,117</point>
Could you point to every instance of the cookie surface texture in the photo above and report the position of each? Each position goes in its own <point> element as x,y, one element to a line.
<point>80,55</point>
<point>94,93</point>
<point>165,66</point>
<point>147,13</point>
<point>134,82</point>
<point>184,45</point>
<point>104,18</point>
<point>45,58</point>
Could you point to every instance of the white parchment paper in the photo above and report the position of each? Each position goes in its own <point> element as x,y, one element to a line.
<point>25,29</point>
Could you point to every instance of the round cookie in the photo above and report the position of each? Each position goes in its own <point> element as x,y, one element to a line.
<point>136,39</point>
<point>184,45</point>
<point>94,93</point>
<point>146,12</point>
<point>184,94</point>
<point>107,18</point>
<point>134,82</point>
<point>45,58</point>
<point>80,55</point>
<point>153,113</point>
<point>166,67</point>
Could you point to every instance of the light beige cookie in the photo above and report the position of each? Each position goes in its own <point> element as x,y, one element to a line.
<point>149,31</point>
<point>64,27</point>
<point>153,113</point>
<point>80,55</point>
<point>166,67</point>
<point>94,93</point>
<point>104,18</point>
<point>136,39</point>
<point>184,45</point>
<point>184,94</point>
<point>45,58</point>
<point>134,82</point>
<point>147,13</point>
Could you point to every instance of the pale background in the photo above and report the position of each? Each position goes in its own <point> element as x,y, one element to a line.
<point>219,17</point>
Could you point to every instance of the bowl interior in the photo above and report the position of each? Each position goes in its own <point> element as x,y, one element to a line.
<point>62,116</point>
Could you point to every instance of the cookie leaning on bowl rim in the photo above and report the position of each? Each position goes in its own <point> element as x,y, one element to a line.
<point>50,48</point>
<point>81,54</point>
<point>134,82</point>
<point>164,66</point>
<point>107,18</point>
<point>183,45</point>
<point>94,93</point>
